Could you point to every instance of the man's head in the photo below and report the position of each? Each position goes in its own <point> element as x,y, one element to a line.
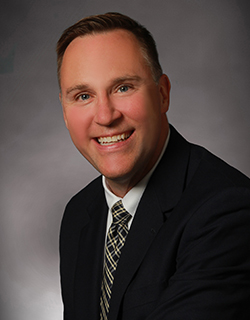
<point>113,108</point>
<point>105,23</point>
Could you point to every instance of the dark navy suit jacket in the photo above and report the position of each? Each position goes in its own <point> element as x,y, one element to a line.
<point>187,254</point>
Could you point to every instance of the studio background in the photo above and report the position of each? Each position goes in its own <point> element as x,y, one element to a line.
<point>204,47</point>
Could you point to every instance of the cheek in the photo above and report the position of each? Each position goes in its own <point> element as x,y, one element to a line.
<point>136,109</point>
<point>77,123</point>
<point>144,110</point>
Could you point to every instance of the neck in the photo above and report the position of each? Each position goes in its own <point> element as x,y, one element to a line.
<point>119,189</point>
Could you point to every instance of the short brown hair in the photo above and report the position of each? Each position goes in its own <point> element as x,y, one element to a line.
<point>108,22</point>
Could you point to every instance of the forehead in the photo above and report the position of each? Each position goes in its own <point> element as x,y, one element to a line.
<point>98,58</point>
<point>108,46</point>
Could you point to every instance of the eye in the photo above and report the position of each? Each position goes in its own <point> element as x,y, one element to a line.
<point>123,89</point>
<point>84,96</point>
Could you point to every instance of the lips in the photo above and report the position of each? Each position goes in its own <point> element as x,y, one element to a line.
<point>114,139</point>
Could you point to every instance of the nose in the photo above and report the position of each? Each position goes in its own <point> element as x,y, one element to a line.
<point>106,113</point>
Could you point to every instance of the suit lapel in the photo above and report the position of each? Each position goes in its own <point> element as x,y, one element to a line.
<point>164,191</point>
<point>142,232</point>
<point>88,274</point>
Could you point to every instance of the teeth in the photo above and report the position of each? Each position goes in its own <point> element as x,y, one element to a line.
<point>114,139</point>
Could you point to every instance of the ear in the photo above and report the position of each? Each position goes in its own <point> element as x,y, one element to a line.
<point>64,113</point>
<point>164,87</point>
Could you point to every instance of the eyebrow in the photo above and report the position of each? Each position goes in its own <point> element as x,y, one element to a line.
<point>82,87</point>
<point>78,87</point>
<point>126,78</point>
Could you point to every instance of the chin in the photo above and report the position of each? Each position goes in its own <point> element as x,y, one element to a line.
<point>115,175</point>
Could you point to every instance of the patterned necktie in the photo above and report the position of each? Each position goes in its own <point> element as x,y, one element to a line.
<point>115,240</point>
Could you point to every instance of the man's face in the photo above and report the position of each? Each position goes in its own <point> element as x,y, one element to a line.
<point>113,109</point>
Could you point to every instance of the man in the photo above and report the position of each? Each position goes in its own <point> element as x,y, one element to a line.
<point>182,247</point>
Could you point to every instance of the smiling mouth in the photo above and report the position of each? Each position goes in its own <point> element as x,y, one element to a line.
<point>114,139</point>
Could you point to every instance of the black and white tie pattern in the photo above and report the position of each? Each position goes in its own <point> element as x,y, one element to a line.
<point>115,240</point>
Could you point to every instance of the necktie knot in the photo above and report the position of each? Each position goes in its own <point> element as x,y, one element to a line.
<point>119,213</point>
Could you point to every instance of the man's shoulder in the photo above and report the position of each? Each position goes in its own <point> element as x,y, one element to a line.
<point>212,168</point>
<point>189,169</point>
<point>204,164</point>
<point>88,193</point>
<point>76,211</point>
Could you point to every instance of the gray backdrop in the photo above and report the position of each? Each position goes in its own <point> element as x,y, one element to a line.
<point>204,47</point>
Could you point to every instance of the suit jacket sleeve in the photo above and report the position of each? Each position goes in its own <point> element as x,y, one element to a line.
<point>212,277</point>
